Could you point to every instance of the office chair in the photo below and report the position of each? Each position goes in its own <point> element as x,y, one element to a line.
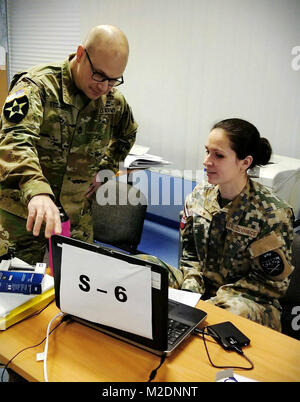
<point>120,224</point>
<point>290,302</point>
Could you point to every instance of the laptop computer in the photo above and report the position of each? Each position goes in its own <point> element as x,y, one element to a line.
<point>172,322</point>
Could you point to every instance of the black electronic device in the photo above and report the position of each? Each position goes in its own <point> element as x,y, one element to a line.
<point>228,335</point>
<point>172,321</point>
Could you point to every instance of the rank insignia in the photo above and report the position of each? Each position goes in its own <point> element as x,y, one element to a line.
<point>16,106</point>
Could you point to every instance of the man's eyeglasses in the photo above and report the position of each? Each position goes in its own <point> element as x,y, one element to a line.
<point>112,82</point>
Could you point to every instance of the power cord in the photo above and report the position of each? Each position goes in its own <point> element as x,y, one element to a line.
<point>31,347</point>
<point>154,372</point>
<point>33,314</point>
<point>43,356</point>
<point>233,347</point>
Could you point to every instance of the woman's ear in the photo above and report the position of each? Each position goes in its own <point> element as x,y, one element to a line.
<point>247,162</point>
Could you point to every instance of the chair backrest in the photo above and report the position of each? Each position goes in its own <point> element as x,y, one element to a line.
<point>293,293</point>
<point>290,302</point>
<point>120,222</point>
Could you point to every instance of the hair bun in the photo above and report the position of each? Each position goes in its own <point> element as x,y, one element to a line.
<point>245,140</point>
<point>264,152</point>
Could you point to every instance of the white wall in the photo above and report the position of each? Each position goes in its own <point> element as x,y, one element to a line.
<point>192,63</point>
<point>195,62</point>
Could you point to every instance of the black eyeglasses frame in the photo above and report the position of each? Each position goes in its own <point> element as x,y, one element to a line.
<point>117,81</point>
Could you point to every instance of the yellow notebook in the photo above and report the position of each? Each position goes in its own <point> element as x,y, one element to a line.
<point>26,305</point>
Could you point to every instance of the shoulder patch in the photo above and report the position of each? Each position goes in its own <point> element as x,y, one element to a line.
<point>272,263</point>
<point>16,106</point>
<point>275,265</point>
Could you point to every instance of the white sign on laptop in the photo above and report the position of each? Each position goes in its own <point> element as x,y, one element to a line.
<point>106,290</point>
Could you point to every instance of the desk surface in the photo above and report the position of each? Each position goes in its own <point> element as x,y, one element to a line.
<point>78,353</point>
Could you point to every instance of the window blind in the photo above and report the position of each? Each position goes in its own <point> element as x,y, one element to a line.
<point>41,31</point>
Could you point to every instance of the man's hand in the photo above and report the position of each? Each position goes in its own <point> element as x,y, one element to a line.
<point>42,209</point>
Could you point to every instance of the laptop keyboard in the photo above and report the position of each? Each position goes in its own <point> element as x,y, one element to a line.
<point>175,331</point>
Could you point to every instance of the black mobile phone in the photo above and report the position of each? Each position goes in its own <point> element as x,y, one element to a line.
<point>228,336</point>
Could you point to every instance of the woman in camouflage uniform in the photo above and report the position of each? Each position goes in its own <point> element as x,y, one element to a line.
<point>236,234</point>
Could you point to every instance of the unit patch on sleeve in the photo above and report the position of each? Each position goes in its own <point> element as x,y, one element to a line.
<point>16,106</point>
<point>271,262</point>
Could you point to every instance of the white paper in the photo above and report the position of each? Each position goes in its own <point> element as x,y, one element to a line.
<point>182,296</point>
<point>39,268</point>
<point>138,150</point>
<point>144,161</point>
<point>156,280</point>
<point>95,296</point>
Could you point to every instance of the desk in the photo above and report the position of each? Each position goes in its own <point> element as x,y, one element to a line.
<point>78,353</point>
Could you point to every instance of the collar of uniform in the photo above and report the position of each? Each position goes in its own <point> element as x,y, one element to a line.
<point>72,95</point>
<point>211,200</point>
<point>69,90</point>
<point>107,99</point>
<point>234,208</point>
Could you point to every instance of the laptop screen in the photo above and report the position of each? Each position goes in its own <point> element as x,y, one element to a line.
<point>66,253</point>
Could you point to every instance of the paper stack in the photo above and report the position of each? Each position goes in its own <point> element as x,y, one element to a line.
<point>14,307</point>
<point>139,158</point>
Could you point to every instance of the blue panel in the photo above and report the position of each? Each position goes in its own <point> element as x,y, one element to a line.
<point>160,241</point>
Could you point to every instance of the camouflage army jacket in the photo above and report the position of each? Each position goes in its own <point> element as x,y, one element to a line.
<point>244,247</point>
<point>53,139</point>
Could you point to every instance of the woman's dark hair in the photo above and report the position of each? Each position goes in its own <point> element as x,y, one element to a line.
<point>246,140</point>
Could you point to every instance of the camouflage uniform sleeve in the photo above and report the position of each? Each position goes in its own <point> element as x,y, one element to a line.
<point>271,257</point>
<point>123,138</point>
<point>189,262</point>
<point>19,132</point>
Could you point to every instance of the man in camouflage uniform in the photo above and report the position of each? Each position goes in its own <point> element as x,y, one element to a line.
<point>61,124</point>
<point>237,256</point>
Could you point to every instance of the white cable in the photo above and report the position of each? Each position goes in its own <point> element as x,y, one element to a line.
<point>46,346</point>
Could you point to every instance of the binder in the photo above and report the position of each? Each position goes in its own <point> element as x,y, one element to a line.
<point>16,276</point>
<point>21,282</point>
